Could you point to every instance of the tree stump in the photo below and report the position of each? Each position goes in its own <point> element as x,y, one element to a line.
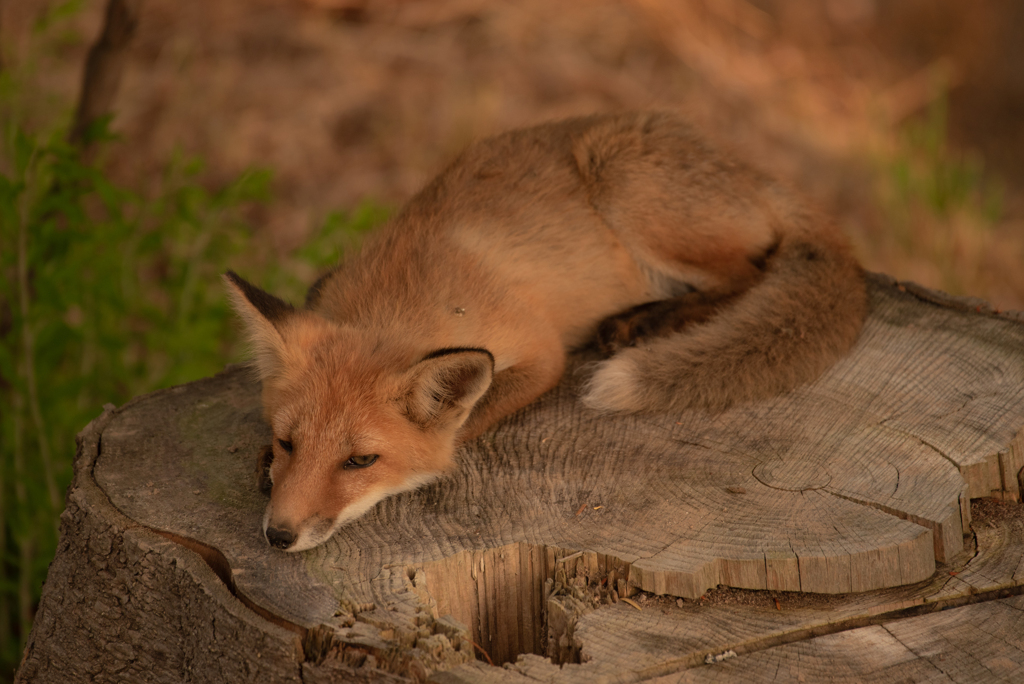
<point>840,513</point>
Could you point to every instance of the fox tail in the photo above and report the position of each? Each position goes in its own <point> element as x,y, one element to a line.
<point>782,332</point>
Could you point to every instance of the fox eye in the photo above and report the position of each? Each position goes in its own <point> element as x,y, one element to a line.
<point>361,461</point>
<point>287,446</point>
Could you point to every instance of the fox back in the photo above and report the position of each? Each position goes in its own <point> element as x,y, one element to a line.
<point>705,282</point>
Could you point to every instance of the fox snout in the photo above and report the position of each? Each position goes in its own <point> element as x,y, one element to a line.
<point>280,538</point>
<point>278,535</point>
<point>298,535</point>
<point>290,537</point>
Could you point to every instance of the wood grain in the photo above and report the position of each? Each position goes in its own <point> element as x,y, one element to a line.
<point>978,643</point>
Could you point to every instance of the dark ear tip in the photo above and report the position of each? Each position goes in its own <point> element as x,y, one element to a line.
<point>267,304</point>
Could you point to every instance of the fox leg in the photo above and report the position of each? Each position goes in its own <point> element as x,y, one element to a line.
<point>658,319</point>
<point>263,463</point>
<point>513,388</point>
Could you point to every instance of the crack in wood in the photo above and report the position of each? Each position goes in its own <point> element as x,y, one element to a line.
<point>322,643</point>
<point>804,634</point>
<point>921,440</point>
<point>909,649</point>
<point>942,553</point>
<point>220,566</point>
<point>547,588</point>
<point>213,557</point>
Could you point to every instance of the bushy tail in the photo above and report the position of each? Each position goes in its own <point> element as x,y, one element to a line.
<point>783,332</point>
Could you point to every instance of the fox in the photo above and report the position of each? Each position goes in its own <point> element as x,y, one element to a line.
<point>703,282</point>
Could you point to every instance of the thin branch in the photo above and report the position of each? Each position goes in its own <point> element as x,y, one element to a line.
<point>103,68</point>
<point>3,57</point>
<point>26,605</point>
<point>28,355</point>
<point>5,606</point>
<point>21,498</point>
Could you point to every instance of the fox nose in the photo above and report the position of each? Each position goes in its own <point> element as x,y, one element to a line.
<point>278,538</point>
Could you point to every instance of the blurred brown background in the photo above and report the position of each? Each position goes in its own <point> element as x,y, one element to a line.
<point>902,118</point>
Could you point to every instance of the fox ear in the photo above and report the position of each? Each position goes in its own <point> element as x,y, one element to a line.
<point>263,315</point>
<point>445,386</point>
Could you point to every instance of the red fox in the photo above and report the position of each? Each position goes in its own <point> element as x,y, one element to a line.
<point>705,281</point>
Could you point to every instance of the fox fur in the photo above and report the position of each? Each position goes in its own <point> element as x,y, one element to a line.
<point>707,282</point>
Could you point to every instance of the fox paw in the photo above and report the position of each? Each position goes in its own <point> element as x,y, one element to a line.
<point>263,481</point>
<point>625,329</point>
<point>613,387</point>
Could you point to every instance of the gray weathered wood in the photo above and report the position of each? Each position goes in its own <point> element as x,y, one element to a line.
<point>978,643</point>
<point>856,483</point>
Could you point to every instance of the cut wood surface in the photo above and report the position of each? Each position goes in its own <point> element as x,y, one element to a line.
<point>978,643</point>
<point>857,485</point>
<point>765,635</point>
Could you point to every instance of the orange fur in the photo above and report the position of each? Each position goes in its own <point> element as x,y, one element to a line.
<point>463,307</point>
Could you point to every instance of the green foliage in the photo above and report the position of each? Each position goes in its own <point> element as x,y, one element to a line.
<point>940,207</point>
<point>925,171</point>
<point>289,276</point>
<point>55,13</point>
<point>106,294</point>
<point>325,249</point>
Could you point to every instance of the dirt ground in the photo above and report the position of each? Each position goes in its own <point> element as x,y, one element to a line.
<point>353,99</point>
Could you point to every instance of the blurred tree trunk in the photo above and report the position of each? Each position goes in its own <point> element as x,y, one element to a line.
<point>103,69</point>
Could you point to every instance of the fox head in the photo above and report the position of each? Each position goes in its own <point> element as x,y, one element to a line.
<point>354,418</point>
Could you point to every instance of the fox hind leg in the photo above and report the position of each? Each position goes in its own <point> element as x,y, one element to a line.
<point>658,319</point>
<point>784,331</point>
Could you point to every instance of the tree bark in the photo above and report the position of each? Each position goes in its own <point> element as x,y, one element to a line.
<point>840,514</point>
